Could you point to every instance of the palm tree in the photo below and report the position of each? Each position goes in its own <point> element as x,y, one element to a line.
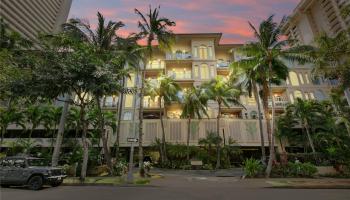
<point>33,116</point>
<point>194,106</point>
<point>212,139</point>
<point>269,53</point>
<point>8,116</point>
<point>51,117</point>
<point>218,90</point>
<point>153,28</point>
<point>306,112</point>
<point>102,41</point>
<point>246,76</point>
<point>165,88</point>
<point>129,54</point>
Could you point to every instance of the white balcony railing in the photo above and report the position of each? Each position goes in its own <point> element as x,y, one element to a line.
<point>180,75</point>
<point>223,64</point>
<point>178,56</point>
<point>279,103</point>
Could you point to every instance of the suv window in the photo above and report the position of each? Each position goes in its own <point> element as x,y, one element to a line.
<point>7,163</point>
<point>20,163</point>
<point>13,163</point>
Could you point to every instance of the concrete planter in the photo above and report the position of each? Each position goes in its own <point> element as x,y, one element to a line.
<point>326,170</point>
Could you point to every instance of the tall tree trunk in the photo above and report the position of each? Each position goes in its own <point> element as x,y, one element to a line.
<point>141,167</point>
<point>272,138</point>
<point>85,144</point>
<point>104,137</point>
<point>60,132</point>
<point>218,156</point>
<point>306,127</point>
<point>164,154</point>
<point>3,131</point>
<point>347,95</point>
<point>188,138</point>
<point>120,112</point>
<point>262,141</point>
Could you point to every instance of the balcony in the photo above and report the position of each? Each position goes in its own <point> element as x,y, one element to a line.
<point>178,56</point>
<point>110,101</point>
<point>148,103</point>
<point>223,64</point>
<point>180,74</point>
<point>279,104</point>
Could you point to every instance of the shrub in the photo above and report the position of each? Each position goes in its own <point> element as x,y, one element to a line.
<point>252,167</point>
<point>295,170</point>
<point>120,168</point>
<point>302,169</point>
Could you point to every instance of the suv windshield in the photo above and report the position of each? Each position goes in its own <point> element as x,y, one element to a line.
<point>37,162</point>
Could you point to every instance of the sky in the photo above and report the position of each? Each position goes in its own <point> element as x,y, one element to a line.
<point>229,17</point>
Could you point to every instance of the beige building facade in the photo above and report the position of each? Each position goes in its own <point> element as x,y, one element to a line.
<point>30,17</point>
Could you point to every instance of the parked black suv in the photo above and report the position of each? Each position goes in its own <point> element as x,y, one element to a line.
<point>30,171</point>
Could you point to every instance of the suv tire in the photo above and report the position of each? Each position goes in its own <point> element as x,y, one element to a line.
<point>4,185</point>
<point>35,183</point>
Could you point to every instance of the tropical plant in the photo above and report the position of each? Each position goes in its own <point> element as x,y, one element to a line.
<point>164,88</point>
<point>305,112</point>
<point>102,42</point>
<point>218,90</point>
<point>33,116</point>
<point>268,55</point>
<point>11,115</point>
<point>252,167</point>
<point>130,55</point>
<point>212,139</point>
<point>153,28</point>
<point>194,106</point>
<point>78,67</point>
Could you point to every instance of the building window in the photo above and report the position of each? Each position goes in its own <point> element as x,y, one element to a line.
<point>196,71</point>
<point>291,98</point>
<point>129,100</point>
<point>212,71</point>
<point>293,79</point>
<point>301,78</point>
<point>205,71</point>
<point>312,95</point>
<point>298,94</point>
<point>195,52</point>
<point>131,81</point>
<point>203,52</point>
<point>210,52</point>
<point>127,115</point>
<point>307,78</point>
<point>319,95</point>
<point>109,101</point>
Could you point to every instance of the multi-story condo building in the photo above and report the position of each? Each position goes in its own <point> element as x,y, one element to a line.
<point>30,17</point>
<point>196,58</point>
<point>311,18</point>
<point>199,57</point>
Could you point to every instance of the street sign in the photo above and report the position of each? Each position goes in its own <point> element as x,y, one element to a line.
<point>132,139</point>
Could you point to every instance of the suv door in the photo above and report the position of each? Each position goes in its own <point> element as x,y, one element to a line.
<point>5,171</point>
<point>18,171</point>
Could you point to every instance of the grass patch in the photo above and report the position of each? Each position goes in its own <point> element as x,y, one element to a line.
<point>115,180</point>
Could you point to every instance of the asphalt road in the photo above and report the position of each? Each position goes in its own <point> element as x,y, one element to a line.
<point>177,187</point>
